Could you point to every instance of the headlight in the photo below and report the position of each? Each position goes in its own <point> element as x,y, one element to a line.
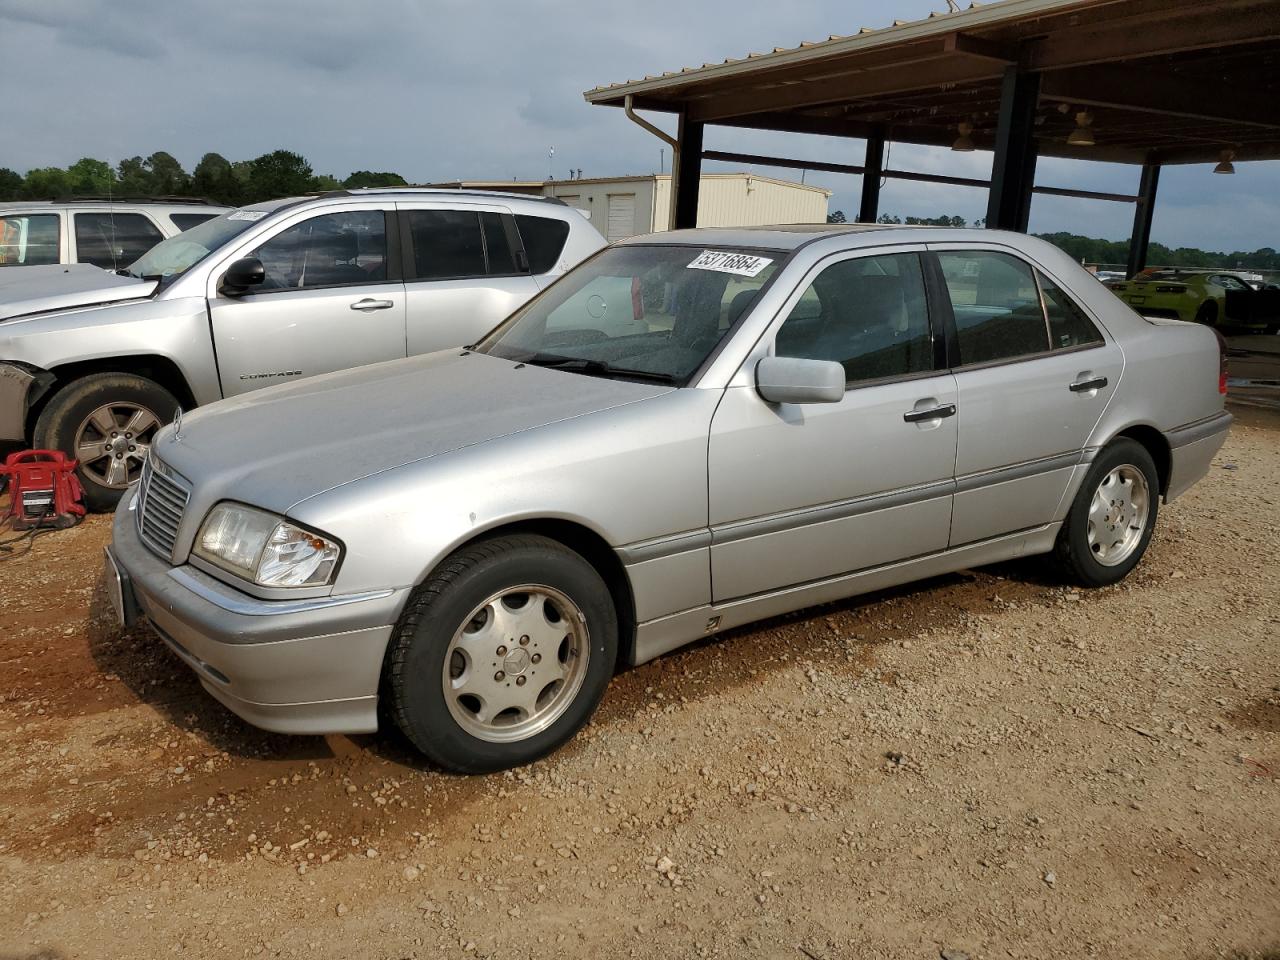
<point>264,548</point>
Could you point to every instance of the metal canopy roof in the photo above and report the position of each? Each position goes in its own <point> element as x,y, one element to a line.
<point>1167,81</point>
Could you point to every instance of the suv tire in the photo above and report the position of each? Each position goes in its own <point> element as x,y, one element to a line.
<point>502,655</point>
<point>107,421</point>
<point>1112,517</point>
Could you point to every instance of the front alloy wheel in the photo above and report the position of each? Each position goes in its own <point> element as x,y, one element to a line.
<point>112,442</point>
<point>501,655</point>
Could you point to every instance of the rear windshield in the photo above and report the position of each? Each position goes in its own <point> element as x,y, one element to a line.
<point>644,312</point>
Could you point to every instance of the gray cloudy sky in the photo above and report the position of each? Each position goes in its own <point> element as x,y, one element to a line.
<point>459,89</point>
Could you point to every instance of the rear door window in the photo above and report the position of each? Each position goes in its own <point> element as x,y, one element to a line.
<point>447,244</point>
<point>113,240</point>
<point>544,239</point>
<point>1069,326</point>
<point>996,305</point>
<point>29,239</point>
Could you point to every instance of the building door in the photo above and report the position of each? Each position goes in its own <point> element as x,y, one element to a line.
<point>622,216</point>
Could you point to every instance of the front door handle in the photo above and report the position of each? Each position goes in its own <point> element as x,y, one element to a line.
<point>930,413</point>
<point>1093,383</point>
<point>368,303</point>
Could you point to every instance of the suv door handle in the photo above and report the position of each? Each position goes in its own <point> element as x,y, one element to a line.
<point>1093,383</point>
<point>930,413</point>
<point>368,304</point>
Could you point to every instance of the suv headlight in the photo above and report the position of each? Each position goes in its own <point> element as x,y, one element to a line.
<point>265,549</point>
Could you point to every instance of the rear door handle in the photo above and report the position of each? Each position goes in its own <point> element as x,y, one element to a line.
<point>368,304</point>
<point>1093,383</point>
<point>930,413</point>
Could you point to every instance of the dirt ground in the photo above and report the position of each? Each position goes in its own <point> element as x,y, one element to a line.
<point>987,764</point>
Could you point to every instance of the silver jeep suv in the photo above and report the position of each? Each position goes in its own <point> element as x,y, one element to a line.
<point>94,363</point>
<point>106,232</point>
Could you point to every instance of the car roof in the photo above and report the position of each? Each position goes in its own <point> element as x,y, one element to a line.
<point>125,201</point>
<point>793,236</point>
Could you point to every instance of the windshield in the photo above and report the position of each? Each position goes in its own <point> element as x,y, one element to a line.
<point>644,312</point>
<point>180,253</point>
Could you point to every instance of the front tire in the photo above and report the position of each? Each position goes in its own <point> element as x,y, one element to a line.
<point>107,421</point>
<point>502,655</point>
<point>1112,517</point>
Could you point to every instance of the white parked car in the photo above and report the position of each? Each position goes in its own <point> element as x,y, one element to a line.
<point>106,233</point>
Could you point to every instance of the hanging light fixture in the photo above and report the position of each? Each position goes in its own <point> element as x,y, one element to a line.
<point>1082,135</point>
<point>964,142</point>
<point>1224,162</point>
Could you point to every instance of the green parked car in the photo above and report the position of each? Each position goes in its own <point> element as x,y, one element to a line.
<point>1198,296</point>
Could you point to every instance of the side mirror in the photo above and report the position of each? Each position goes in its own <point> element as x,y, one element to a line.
<point>242,276</point>
<point>794,380</point>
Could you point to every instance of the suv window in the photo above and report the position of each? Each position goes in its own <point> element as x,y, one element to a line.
<point>447,244</point>
<point>333,250</point>
<point>996,306</point>
<point>544,239</point>
<point>868,314</point>
<point>113,240</point>
<point>1068,324</point>
<point>185,221</point>
<point>28,239</point>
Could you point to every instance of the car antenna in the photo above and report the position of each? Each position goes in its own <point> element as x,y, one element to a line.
<point>111,215</point>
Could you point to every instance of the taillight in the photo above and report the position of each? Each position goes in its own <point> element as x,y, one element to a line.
<point>1222,363</point>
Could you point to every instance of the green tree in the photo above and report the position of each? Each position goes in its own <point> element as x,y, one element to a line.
<point>10,184</point>
<point>836,216</point>
<point>91,177</point>
<point>886,218</point>
<point>214,178</point>
<point>168,179</point>
<point>324,182</point>
<point>370,178</point>
<point>281,173</point>
<point>47,183</point>
<point>133,177</point>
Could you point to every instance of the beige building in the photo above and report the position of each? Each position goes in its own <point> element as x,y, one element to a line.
<point>622,207</point>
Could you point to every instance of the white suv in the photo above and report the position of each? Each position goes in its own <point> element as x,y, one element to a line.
<point>106,233</point>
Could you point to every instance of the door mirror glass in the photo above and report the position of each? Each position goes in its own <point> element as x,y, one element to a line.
<point>797,380</point>
<point>242,276</point>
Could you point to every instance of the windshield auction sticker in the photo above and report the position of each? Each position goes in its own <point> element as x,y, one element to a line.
<point>741,264</point>
<point>250,215</point>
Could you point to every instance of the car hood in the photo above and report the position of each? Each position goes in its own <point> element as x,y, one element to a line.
<point>281,445</point>
<point>26,290</point>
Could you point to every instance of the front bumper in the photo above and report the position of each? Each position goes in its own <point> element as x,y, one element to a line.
<point>20,386</point>
<point>309,666</point>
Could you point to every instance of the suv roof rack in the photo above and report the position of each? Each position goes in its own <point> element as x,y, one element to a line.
<point>450,191</point>
<point>129,198</point>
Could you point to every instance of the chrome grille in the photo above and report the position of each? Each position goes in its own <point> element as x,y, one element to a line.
<point>161,503</point>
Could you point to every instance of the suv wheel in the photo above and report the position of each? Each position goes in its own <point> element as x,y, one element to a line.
<point>502,655</point>
<point>106,421</point>
<point>1112,517</point>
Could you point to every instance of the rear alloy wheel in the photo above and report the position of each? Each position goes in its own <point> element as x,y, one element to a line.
<point>1112,517</point>
<point>502,654</point>
<point>1207,314</point>
<point>107,421</point>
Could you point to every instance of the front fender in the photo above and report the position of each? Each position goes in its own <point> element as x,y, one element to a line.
<point>21,385</point>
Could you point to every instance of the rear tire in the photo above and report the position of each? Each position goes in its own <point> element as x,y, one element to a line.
<point>502,655</point>
<point>1207,314</point>
<point>1112,517</point>
<point>106,421</point>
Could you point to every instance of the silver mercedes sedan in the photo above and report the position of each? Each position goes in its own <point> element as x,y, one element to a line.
<point>686,433</point>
